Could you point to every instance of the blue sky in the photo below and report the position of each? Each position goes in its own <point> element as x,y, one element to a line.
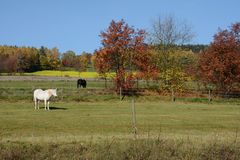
<point>76,24</point>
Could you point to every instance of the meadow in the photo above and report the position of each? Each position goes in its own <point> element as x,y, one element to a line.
<point>84,120</point>
<point>96,125</point>
<point>103,130</point>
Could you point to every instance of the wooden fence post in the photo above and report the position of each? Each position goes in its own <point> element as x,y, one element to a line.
<point>173,95</point>
<point>209,96</point>
<point>62,94</point>
<point>134,118</point>
<point>120,93</point>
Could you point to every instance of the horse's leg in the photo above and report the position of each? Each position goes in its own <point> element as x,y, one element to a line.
<point>45,103</point>
<point>35,103</point>
<point>48,105</point>
<point>38,104</point>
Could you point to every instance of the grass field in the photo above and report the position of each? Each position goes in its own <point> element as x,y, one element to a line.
<point>104,130</point>
<point>20,121</point>
<point>95,125</point>
<point>155,113</point>
<point>80,121</point>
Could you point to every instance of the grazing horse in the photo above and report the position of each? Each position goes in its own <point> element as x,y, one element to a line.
<point>81,82</point>
<point>39,94</point>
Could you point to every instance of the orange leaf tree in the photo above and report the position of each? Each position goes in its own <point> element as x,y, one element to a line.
<point>220,63</point>
<point>123,51</point>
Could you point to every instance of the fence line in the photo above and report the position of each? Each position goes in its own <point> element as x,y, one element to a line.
<point>98,85</point>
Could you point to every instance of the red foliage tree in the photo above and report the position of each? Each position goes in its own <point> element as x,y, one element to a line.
<point>123,51</point>
<point>220,63</point>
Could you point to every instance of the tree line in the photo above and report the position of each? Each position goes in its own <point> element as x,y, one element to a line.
<point>166,59</point>
<point>30,59</point>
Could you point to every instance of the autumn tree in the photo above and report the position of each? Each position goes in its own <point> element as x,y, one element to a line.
<point>172,68</point>
<point>69,59</point>
<point>44,65</point>
<point>82,61</point>
<point>123,50</point>
<point>220,63</point>
<point>53,58</point>
<point>169,31</point>
<point>27,59</point>
<point>11,63</point>
<point>8,59</point>
<point>33,59</point>
<point>166,36</point>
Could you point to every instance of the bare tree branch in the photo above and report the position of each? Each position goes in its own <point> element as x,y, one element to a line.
<point>168,31</point>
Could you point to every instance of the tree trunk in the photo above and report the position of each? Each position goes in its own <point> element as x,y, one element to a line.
<point>173,95</point>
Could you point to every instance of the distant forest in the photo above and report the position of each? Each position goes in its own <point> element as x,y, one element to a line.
<point>30,59</point>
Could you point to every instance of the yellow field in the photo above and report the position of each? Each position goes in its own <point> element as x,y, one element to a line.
<point>68,74</point>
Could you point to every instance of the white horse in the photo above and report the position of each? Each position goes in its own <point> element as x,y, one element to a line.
<point>39,94</point>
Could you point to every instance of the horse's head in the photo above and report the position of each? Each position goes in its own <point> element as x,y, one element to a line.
<point>54,92</point>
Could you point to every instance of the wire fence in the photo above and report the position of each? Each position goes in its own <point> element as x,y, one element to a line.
<point>20,87</point>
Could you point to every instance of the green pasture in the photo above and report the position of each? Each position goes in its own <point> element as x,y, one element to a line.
<point>92,123</point>
<point>26,85</point>
<point>97,90</point>
<point>72,121</point>
<point>66,90</point>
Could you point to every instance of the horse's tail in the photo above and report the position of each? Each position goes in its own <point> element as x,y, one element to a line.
<point>34,98</point>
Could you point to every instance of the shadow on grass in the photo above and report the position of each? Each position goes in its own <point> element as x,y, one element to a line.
<point>57,108</point>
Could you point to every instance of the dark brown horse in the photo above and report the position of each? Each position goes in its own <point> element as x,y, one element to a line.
<point>81,83</point>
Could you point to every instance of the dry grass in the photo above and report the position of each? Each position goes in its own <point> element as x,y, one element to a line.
<point>114,149</point>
